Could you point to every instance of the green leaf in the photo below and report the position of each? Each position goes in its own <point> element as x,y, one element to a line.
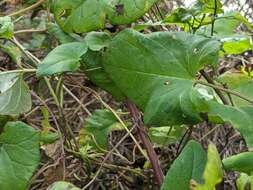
<point>244,182</point>
<point>239,82</point>
<point>240,118</point>
<point>189,165</point>
<point>19,155</point>
<point>13,51</point>
<point>6,27</point>
<point>65,57</point>
<point>241,162</point>
<point>237,44</point>
<point>154,69</point>
<point>194,15</point>
<point>15,98</point>
<point>99,125</point>
<point>233,43</point>
<point>213,173</point>
<point>62,185</point>
<point>166,135</point>
<point>63,37</point>
<point>97,40</point>
<point>93,68</point>
<point>87,15</point>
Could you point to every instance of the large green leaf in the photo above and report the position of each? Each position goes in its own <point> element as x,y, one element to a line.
<point>98,126</point>
<point>213,173</point>
<point>241,162</point>
<point>65,57</point>
<point>88,15</point>
<point>6,27</point>
<point>19,155</point>
<point>156,71</point>
<point>189,165</point>
<point>14,94</point>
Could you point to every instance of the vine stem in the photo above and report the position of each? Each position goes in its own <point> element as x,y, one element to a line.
<point>153,158</point>
<point>35,5</point>
<point>19,71</point>
<point>214,16</point>
<point>225,90</point>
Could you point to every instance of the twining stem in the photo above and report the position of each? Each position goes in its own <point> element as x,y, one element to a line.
<point>218,92</point>
<point>146,142</point>
<point>225,90</point>
<point>35,5</point>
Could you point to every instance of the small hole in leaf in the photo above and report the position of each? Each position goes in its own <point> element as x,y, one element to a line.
<point>167,83</point>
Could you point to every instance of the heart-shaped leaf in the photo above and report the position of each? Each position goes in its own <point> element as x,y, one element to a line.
<point>19,155</point>
<point>15,98</point>
<point>156,71</point>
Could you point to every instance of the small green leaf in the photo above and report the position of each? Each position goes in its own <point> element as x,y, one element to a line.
<point>213,173</point>
<point>99,125</point>
<point>244,182</point>
<point>62,185</point>
<point>13,51</point>
<point>97,40</point>
<point>189,165</point>
<point>15,98</point>
<point>64,58</point>
<point>19,155</point>
<point>241,162</point>
<point>166,135</point>
<point>6,27</point>
<point>88,15</point>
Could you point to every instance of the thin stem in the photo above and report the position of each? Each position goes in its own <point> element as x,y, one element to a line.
<point>146,142</point>
<point>30,31</point>
<point>19,71</point>
<point>35,5</point>
<point>214,17</point>
<point>225,90</point>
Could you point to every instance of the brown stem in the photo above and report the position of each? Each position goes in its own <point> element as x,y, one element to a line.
<point>210,80</point>
<point>146,142</point>
<point>35,5</point>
